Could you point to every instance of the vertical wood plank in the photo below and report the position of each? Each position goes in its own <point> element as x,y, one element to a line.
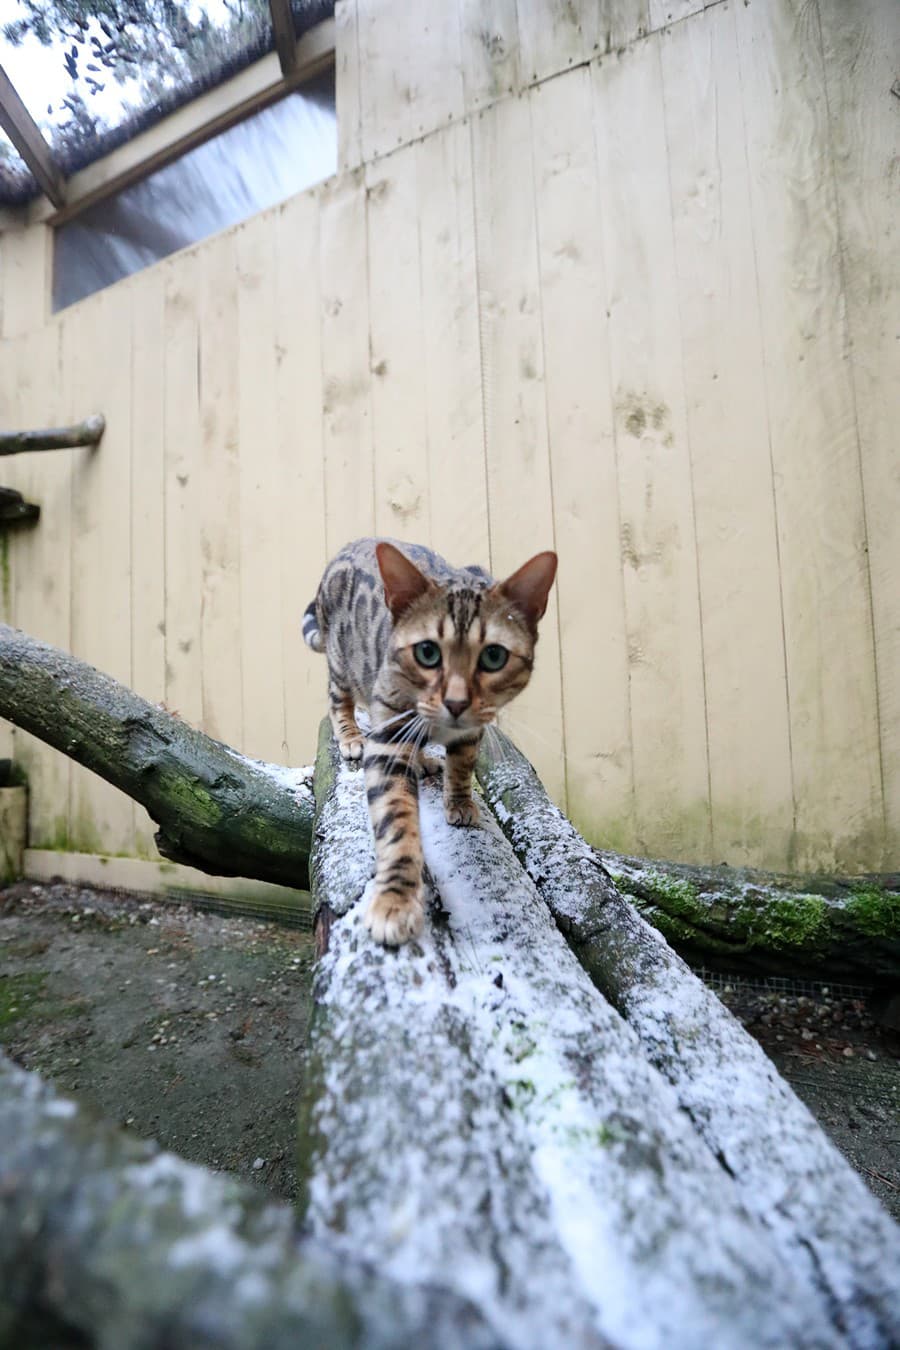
<point>665,648</point>
<point>519,483</point>
<point>183,504</point>
<point>554,35</point>
<point>599,769</point>
<point>347,84</point>
<point>385,64</point>
<point>147,508</point>
<point>489,51</point>
<point>261,636</point>
<point>25,261</point>
<point>298,394</point>
<point>664,12</point>
<point>737,545</point>
<point>398,375</point>
<point>436,93</point>
<point>862,58</point>
<point>39,558</point>
<point>219,476</point>
<point>346,416</point>
<point>96,367</point>
<point>411,79</point>
<point>815,451</point>
<point>454,413</point>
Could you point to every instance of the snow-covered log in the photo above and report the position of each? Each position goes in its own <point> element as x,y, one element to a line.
<point>216,810</point>
<point>818,1213</point>
<point>478,1116</point>
<point>105,1241</point>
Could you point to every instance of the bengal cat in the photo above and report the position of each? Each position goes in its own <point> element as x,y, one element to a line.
<point>432,652</point>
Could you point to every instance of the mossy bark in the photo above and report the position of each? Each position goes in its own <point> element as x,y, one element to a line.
<point>734,919</point>
<point>105,1241</point>
<point>216,810</point>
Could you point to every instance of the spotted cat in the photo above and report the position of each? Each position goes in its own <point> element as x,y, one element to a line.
<point>432,652</point>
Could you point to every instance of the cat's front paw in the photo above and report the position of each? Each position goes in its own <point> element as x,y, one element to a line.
<point>351,748</point>
<point>463,812</point>
<point>393,919</point>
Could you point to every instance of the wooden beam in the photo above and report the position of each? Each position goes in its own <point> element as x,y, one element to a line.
<point>87,432</point>
<point>28,139</point>
<point>285,36</point>
<point>198,121</point>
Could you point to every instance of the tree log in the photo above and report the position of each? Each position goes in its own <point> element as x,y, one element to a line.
<point>478,1116</point>
<point>216,810</point>
<point>87,432</point>
<point>106,1241</point>
<point>740,919</point>
<point>788,1174</point>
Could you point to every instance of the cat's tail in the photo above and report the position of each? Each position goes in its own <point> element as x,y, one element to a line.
<point>312,633</point>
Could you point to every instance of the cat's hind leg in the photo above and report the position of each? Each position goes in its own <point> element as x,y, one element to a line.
<point>460,807</point>
<point>342,711</point>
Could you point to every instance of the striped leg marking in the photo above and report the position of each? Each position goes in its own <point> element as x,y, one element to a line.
<point>459,806</point>
<point>343,719</point>
<point>397,909</point>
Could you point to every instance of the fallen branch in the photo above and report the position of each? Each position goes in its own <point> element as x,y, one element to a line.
<point>742,919</point>
<point>818,1212</point>
<point>478,1115</point>
<point>106,1241</point>
<point>87,432</point>
<point>216,810</point>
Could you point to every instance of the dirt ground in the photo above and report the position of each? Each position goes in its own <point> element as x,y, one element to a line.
<point>189,1027</point>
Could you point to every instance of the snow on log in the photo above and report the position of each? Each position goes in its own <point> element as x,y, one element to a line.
<point>479,1117</point>
<point>106,1241</point>
<point>216,810</point>
<point>819,1214</point>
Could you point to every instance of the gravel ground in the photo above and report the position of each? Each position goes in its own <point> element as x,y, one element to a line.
<point>180,1024</point>
<point>189,1027</point>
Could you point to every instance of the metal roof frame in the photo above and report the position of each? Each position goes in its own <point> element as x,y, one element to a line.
<point>262,83</point>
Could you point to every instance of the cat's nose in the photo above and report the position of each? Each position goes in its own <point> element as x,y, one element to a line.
<point>456,706</point>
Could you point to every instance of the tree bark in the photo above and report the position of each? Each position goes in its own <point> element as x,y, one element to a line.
<point>216,810</point>
<point>736,919</point>
<point>106,1241</point>
<point>788,1174</point>
<point>87,432</point>
<point>477,1115</point>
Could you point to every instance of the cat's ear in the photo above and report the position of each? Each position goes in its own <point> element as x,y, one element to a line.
<point>529,587</point>
<point>403,583</point>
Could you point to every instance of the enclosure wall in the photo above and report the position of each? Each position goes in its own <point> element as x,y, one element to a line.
<point>619,279</point>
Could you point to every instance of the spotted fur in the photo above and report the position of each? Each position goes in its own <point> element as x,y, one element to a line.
<point>381,609</point>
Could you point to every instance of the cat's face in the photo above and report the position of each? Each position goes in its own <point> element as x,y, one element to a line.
<point>457,656</point>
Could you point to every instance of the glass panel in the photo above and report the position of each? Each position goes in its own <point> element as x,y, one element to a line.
<point>93,82</point>
<point>255,164</point>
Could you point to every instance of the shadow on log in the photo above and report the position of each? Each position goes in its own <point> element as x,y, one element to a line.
<point>216,810</point>
<point>482,1117</point>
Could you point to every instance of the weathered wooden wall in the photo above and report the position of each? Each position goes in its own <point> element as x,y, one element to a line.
<point>619,278</point>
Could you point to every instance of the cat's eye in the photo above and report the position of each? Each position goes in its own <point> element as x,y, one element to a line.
<point>493,657</point>
<point>428,654</point>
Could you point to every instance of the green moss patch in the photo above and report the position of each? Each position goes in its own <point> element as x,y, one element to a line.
<point>876,912</point>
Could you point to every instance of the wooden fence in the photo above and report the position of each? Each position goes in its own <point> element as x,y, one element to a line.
<point>617,279</point>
